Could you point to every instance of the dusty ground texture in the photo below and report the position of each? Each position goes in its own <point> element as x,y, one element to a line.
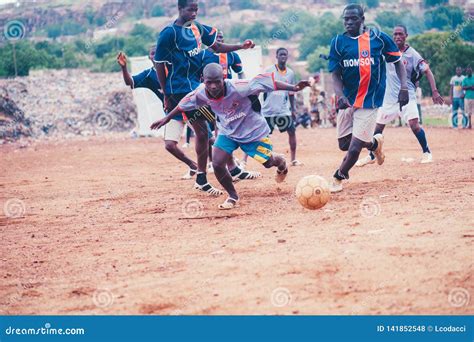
<point>105,226</point>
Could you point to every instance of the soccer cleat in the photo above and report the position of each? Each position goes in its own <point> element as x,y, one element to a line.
<point>246,175</point>
<point>427,158</point>
<point>296,163</point>
<point>186,145</point>
<point>365,161</point>
<point>229,203</point>
<point>379,155</point>
<point>209,189</point>
<point>189,175</point>
<point>242,165</point>
<point>335,186</point>
<point>281,175</point>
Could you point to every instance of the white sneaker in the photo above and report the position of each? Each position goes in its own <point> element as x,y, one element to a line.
<point>335,186</point>
<point>186,145</point>
<point>427,158</point>
<point>242,165</point>
<point>296,163</point>
<point>379,155</point>
<point>365,161</point>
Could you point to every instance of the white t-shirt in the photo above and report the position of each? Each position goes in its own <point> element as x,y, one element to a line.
<point>277,103</point>
<point>456,82</point>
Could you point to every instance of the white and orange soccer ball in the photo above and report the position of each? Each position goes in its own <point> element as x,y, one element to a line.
<point>313,192</point>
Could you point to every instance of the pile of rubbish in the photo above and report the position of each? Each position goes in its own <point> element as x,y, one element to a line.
<point>64,103</point>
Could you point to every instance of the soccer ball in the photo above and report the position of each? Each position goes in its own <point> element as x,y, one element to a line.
<point>313,192</point>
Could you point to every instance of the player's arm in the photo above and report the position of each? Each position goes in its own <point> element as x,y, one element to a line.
<point>224,48</point>
<point>290,87</point>
<point>161,75</point>
<point>292,104</point>
<point>122,61</point>
<point>403,97</point>
<point>342,101</point>
<point>437,99</point>
<point>162,122</point>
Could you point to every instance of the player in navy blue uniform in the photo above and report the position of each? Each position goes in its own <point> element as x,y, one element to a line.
<point>179,49</point>
<point>146,79</point>
<point>357,63</point>
<point>228,61</point>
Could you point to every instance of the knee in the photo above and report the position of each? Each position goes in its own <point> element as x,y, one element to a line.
<point>170,146</point>
<point>344,145</point>
<point>218,166</point>
<point>415,127</point>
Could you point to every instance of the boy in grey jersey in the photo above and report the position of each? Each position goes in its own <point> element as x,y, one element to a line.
<point>239,122</point>
<point>390,110</point>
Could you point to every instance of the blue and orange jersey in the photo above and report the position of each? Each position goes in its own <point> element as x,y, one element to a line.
<point>147,79</point>
<point>361,61</point>
<point>228,61</point>
<point>181,48</point>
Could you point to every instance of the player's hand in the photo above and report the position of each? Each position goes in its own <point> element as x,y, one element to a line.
<point>122,59</point>
<point>403,98</point>
<point>165,103</point>
<point>437,99</point>
<point>343,103</point>
<point>248,44</point>
<point>301,85</point>
<point>160,123</point>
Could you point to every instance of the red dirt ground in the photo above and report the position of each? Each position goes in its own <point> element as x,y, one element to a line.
<point>105,226</point>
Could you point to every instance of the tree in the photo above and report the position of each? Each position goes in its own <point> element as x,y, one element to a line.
<point>315,61</point>
<point>143,32</point>
<point>444,18</point>
<point>157,11</point>
<point>244,4</point>
<point>433,3</point>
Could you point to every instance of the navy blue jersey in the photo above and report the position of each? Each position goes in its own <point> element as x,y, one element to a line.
<point>180,47</point>
<point>228,61</point>
<point>361,61</point>
<point>148,79</point>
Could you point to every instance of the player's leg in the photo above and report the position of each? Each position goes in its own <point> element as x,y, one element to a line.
<point>465,120</point>
<point>362,122</point>
<point>385,114</point>
<point>202,151</point>
<point>173,132</point>
<point>469,110</point>
<point>222,151</point>
<point>238,174</point>
<point>411,115</point>
<point>189,133</point>
<point>291,130</point>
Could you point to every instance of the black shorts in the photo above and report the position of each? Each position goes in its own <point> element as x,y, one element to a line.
<point>285,123</point>
<point>203,113</point>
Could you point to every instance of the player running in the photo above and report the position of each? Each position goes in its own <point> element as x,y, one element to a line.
<point>357,63</point>
<point>179,49</point>
<point>228,61</point>
<point>239,122</point>
<point>415,66</point>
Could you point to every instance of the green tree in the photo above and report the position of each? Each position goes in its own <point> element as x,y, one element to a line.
<point>432,3</point>
<point>444,18</point>
<point>157,11</point>
<point>315,61</point>
<point>143,32</point>
<point>244,4</point>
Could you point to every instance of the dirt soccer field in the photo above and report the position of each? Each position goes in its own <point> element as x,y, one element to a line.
<point>105,226</point>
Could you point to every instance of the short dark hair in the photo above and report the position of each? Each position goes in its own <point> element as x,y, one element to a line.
<point>182,3</point>
<point>357,7</point>
<point>403,27</point>
<point>281,49</point>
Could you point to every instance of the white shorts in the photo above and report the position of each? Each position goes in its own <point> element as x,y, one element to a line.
<point>359,122</point>
<point>174,130</point>
<point>389,112</point>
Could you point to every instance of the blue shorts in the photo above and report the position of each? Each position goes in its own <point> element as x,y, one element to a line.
<point>261,150</point>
